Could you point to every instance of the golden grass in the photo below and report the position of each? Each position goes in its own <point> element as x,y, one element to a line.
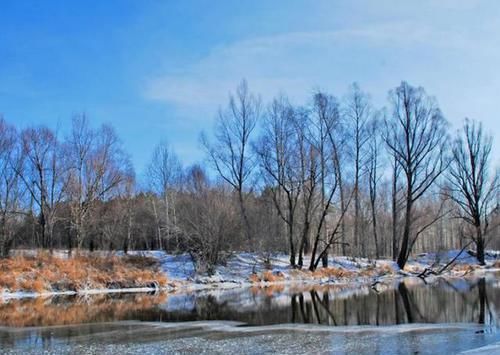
<point>384,269</point>
<point>300,274</point>
<point>44,272</point>
<point>464,267</point>
<point>415,269</point>
<point>267,276</point>
<point>332,272</point>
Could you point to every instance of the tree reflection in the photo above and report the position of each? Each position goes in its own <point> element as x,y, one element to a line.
<point>442,302</point>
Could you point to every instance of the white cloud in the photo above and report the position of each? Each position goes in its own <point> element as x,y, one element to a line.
<point>294,62</point>
<point>454,62</point>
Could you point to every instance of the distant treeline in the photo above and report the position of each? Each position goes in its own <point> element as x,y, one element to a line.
<point>332,176</point>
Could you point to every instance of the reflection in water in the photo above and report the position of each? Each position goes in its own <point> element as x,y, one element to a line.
<point>443,302</point>
<point>64,310</point>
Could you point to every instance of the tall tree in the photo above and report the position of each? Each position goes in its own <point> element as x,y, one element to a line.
<point>323,132</point>
<point>98,168</point>
<point>373,172</point>
<point>164,172</point>
<point>44,175</point>
<point>277,151</point>
<point>230,153</point>
<point>358,112</point>
<point>11,191</point>
<point>416,137</point>
<point>472,186</point>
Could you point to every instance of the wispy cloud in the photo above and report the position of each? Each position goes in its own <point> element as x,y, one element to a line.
<point>295,62</point>
<point>456,63</point>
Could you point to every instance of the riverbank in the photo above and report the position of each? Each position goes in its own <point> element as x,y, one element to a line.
<point>256,270</point>
<point>262,314</point>
<point>33,274</point>
<point>42,274</point>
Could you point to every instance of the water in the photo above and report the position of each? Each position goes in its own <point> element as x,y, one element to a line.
<point>446,316</point>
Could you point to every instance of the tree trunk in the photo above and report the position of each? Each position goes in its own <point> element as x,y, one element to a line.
<point>394,215</point>
<point>404,251</point>
<point>292,246</point>
<point>374,226</point>
<point>246,222</point>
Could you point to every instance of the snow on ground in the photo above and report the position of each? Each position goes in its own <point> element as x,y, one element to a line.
<point>465,257</point>
<point>380,274</point>
<point>240,266</point>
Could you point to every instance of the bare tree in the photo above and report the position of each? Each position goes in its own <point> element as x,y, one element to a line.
<point>11,192</point>
<point>373,172</point>
<point>164,172</point>
<point>44,176</point>
<point>309,176</point>
<point>471,186</point>
<point>230,153</point>
<point>277,150</point>
<point>128,210</point>
<point>324,124</point>
<point>358,112</point>
<point>416,137</point>
<point>97,168</point>
<point>207,219</point>
<point>395,204</point>
<point>328,136</point>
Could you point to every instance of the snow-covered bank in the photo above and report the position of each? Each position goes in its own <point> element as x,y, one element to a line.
<point>252,269</point>
<point>25,294</point>
<point>256,270</point>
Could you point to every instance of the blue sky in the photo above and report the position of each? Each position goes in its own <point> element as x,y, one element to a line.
<point>159,70</point>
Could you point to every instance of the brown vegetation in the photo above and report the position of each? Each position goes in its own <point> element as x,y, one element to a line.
<point>46,273</point>
<point>464,267</point>
<point>332,272</point>
<point>267,276</point>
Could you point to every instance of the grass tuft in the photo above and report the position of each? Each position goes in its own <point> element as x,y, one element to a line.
<point>46,273</point>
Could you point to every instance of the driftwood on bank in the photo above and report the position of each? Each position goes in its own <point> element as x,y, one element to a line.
<point>432,271</point>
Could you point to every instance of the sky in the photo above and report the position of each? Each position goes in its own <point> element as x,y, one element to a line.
<point>159,70</point>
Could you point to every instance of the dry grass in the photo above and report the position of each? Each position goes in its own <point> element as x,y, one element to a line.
<point>414,268</point>
<point>44,272</point>
<point>332,273</point>
<point>299,274</point>
<point>464,267</point>
<point>267,276</point>
<point>385,270</point>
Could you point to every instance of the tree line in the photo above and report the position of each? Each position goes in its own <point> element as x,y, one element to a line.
<point>333,176</point>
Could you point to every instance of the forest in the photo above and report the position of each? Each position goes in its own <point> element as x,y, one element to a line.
<point>334,176</point>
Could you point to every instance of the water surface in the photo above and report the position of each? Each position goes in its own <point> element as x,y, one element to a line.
<point>411,316</point>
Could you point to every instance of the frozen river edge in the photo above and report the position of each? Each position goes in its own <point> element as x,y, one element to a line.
<point>221,337</point>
